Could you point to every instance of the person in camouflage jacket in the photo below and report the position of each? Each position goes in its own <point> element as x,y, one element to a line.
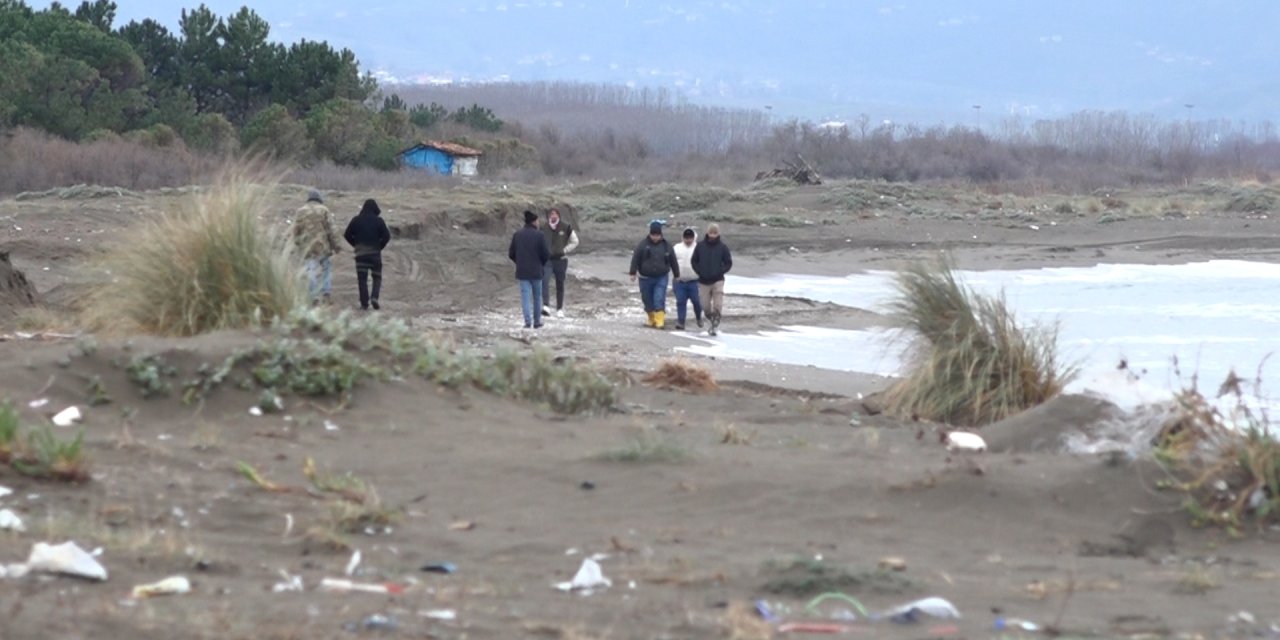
<point>314,237</point>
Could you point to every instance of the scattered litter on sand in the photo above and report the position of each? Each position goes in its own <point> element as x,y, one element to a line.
<point>589,578</point>
<point>913,611</point>
<point>337,585</point>
<point>353,564</point>
<point>965,441</point>
<point>10,521</point>
<point>375,622</point>
<point>440,614</point>
<point>68,416</point>
<point>67,559</point>
<point>290,583</point>
<point>173,585</point>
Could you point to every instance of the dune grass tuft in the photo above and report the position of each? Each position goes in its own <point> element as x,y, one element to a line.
<point>211,263</point>
<point>978,365</point>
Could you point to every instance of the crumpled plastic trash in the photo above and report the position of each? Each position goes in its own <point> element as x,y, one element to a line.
<point>589,578</point>
<point>173,585</point>
<point>346,586</point>
<point>66,558</point>
<point>931,607</point>
<point>965,441</point>
<point>4,491</point>
<point>353,564</point>
<point>68,416</point>
<point>440,614</point>
<point>10,521</point>
<point>375,622</point>
<point>290,583</point>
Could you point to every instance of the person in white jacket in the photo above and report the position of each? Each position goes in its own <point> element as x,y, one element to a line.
<point>686,286</point>
<point>562,239</point>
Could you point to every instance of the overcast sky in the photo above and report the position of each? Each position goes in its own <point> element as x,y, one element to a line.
<point>927,61</point>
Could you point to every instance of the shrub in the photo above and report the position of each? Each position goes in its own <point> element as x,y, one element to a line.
<point>314,353</point>
<point>211,264</point>
<point>1228,467</point>
<point>977,365</point>
<point>212,133</point>
<point>275,133</point>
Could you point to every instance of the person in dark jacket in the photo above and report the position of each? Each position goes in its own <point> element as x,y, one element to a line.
<point>562,240</point>
<point>530,252</point>
<point>654,260</point>
<point>368,235</point>
<point>712,260</point>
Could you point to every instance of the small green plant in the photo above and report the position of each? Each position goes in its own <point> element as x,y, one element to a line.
<point>310,367</point>
<point>805,577</point>
<point>648,446</point>
<point>97,392</point>
<point>345,485</point>
<point>255,477</point>
<point>150,374</point>
<point>9,442</point>
<point>978,364</point>
<point>40,454</point>
<point>47,456</point>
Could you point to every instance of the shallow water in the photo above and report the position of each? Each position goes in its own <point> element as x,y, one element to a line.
<point>1167,322</point>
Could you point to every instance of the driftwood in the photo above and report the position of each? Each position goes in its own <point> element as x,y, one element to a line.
<point>799,172</point>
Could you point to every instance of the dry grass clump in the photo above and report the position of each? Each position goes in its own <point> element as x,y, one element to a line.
<point>1228,465</point>
<point>680,375</point>
<point>211,264</point>
<point>978,365</point>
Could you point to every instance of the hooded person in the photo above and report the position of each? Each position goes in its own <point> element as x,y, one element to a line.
<point>530,253</point>
<point>712,260</point>
<point>368,235</point>
<point>562,239</point>
<point>314,237</point>
<point>686,285</point>
<point>653,261</point>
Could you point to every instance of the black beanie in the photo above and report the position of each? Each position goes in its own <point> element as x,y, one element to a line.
<point>530,217</point>
<point>655,227</point>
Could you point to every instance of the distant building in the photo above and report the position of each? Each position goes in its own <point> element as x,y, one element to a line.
<point>443,158</point>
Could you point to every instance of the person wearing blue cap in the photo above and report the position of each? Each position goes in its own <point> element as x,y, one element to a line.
<point>654,260</point>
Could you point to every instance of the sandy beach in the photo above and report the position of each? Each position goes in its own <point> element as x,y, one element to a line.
<point>779,486</point>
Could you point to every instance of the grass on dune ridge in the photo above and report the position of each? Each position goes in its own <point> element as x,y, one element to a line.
<point>211,263</point>
<point>977,365</point>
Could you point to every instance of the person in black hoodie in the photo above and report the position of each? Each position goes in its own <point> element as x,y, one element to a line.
<point>654,259</point>
<point>368,235</point>
<point>711,261</point>
<point>530,252</point>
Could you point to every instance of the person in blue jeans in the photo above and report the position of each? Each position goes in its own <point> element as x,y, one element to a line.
<point>654,260</point>
<point>686,285</point>
<point>530,252</point>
